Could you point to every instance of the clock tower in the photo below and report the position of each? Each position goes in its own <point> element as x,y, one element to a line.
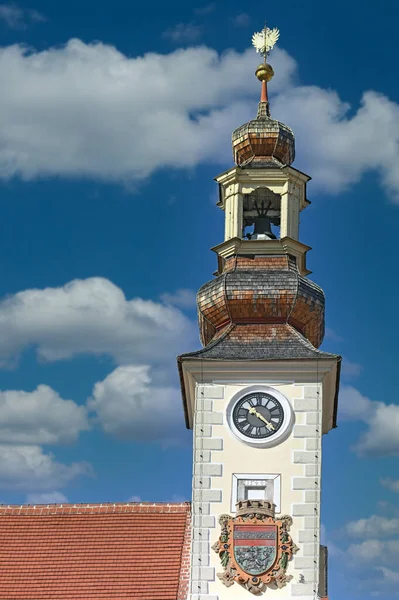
<point>260,394</point>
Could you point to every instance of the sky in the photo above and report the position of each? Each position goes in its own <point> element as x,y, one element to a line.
<point>114,120</point>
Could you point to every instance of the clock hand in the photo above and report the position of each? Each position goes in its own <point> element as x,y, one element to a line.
<point>269,425</point>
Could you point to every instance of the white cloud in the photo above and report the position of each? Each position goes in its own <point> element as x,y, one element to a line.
<point>92,316</point>
<point>373,527</point>
<point>130,406</point>
<point>17,18</point>
<point>339,149</point>
<point>381,438</point>
<point>390,577</point>
<point>350,369</point>
<point>47,498</point>
<point>353,405</point>
<point>118,118</point>
<point>121,118</point>
<point>183,298</point>
<point>183,33</point>
<point>390,484</point>
<point>28,468</point>
<point>134,499</point>
<point>39,417</point>
<point>374,550</point>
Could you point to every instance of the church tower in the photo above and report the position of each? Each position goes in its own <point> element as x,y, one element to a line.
<point>259,395</point>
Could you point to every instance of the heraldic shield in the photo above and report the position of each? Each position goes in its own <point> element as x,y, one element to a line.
<point>254,547</point>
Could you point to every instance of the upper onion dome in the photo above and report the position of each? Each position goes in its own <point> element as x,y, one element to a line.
<point>263,141</point>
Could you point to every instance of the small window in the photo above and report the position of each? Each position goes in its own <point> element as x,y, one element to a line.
<point>247,486</point>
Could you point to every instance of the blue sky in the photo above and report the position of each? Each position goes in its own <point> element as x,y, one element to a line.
<point>113,124</point>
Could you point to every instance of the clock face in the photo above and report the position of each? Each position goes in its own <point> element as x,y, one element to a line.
<point>258,416</point>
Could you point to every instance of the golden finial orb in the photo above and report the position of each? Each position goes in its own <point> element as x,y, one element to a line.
<point>264,72</point>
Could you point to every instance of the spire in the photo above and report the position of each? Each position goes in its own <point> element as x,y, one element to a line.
<point>264,41</point>
<point>264,73</point>
<point>263,141</point>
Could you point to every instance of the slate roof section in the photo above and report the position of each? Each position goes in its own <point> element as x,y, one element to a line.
<point>259,342</point>
<point>124,551</point>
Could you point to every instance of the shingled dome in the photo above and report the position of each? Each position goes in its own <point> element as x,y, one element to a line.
<point>261,290</point>
<point>263,141</point>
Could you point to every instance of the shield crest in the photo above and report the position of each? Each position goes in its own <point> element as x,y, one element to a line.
<point>255,547</point>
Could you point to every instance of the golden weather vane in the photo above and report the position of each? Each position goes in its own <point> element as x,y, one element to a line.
<point>265,40</point>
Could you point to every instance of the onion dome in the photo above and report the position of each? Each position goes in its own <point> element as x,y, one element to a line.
<point>263,141</point>
<point>261,290</point>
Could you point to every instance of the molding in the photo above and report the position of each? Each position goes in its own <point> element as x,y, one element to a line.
<point>324,371</point>
<point>279,247</point>
<point>246,180</point>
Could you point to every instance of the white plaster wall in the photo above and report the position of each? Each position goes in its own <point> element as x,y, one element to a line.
<point>218,454</point>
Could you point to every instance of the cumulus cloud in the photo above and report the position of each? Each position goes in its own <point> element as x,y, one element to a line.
<point>118,118</point>
<point>353,404</point>
<point>373,550</point>
<point>350,369</point>
<point>390,484</point>
<point>29,468</point>
<point>39,417</point>
<point>371,562</point>
<point>183,298</point>
<point>92,316</point>
<point>16,17</point>
<point>121,118</point>
<point>390,576</point>
<point>381,438</point>
<point>339,149</point>
<point>373,527</point>
<point>130,406</point>
<point>46,498</point>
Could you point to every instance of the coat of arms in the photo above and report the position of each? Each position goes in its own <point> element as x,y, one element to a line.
<point>254,547</point>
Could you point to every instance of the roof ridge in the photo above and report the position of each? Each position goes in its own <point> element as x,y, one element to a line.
<point>89,504</point>
<point>96,508</point>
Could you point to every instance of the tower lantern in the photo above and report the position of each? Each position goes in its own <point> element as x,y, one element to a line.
<point>259,394</point>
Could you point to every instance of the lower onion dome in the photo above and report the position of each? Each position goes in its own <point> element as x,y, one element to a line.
<point>261,296</point>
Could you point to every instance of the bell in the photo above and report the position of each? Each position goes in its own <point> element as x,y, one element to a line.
<point>262,229</point>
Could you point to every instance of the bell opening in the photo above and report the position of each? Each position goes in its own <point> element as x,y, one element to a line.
<point>261,211</point>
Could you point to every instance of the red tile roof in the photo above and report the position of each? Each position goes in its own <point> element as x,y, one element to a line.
<point>95,551</point>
